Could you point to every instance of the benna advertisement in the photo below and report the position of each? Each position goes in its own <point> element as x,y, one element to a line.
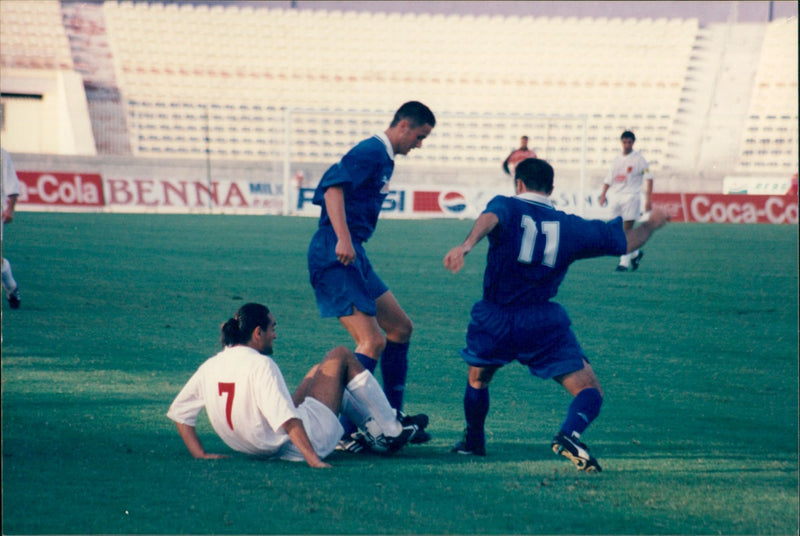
<point>172,195</point>
<point>91,191</point>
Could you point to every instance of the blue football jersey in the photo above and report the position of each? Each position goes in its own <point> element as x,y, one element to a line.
<point>364,174</point>
<point>533,245</point>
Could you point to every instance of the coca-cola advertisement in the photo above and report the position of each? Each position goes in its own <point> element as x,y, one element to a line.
<point>61,190</point>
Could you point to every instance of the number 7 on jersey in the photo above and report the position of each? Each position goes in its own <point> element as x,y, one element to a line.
<point>228,388</point>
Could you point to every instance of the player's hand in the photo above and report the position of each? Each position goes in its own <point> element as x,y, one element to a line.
<point>602,200</point>
<point>319,464</point>
<point>345,252</point>
<point>454,260</point>
<point>210,456</point>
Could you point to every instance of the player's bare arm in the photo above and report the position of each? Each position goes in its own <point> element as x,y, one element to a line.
<point>8,211</point>
<point>298,436</point>
<point>602,199</point>
<point>334,204</point>
<point>640,234</point>
<point>189,436</point>
<point>454,260</point>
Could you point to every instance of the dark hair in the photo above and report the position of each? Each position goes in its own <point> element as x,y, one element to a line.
<point>536,174</point>
<point>416,113</point>
<point>628,134</point>
<point>239,329</point>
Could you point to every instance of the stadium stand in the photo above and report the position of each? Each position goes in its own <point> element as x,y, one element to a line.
<point>770,138</point>
<point>32,36</point>
<point>249,65</point>
<point>245,82</point>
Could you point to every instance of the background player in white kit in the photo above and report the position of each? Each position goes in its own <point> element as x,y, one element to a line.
<point>249,406</point>
<point>628,173</point>
<point>11,188</point>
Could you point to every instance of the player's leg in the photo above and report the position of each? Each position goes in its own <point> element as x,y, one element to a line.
<point>345,386</point>
<point>10,285</point>
<point>584,408</point>
<point>394,358</point>
<point>476,408</point>
<point>488,348</point>
<point>584,386</point>
<point>338,373</point>
<point>342,292</point>
<point>625,260</point>
<point>367,335</point>
<point>365,403</point>
<point>630,208</point>
<point>325,381</point>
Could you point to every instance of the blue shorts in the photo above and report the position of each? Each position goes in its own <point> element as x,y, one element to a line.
<point>538,336</point>
<point>339,288</point>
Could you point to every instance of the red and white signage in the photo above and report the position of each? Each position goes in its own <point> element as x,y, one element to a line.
<point>90,191</point>
<point>718,208</point>
<point>63,190</point>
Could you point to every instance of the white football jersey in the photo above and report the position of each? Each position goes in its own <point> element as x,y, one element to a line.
<point>10,183</point>
<point>627,174</point>
<point>246,399</point>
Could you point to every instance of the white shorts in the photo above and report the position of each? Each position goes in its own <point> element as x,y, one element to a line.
<point>626,205</point>
<point>322,427</point>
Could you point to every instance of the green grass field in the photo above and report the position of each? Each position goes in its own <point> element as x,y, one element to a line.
<point>697,353</point>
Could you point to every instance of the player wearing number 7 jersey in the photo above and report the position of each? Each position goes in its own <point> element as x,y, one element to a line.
<point>250,408</point>
<point>531,245</point>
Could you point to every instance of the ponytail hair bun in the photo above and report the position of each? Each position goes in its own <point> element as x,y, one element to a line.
<point>239,329</point>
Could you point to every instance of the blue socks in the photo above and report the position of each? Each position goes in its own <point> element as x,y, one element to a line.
<point>583,409</point>
<point>394,369</point>
<point>367,362</point>
<point>476,408</point>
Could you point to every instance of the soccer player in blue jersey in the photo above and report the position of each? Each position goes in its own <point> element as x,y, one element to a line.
<point>351,193</point>
<point>531,245</point>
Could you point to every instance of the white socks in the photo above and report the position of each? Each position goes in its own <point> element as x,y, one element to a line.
<point>8,278</point>
<point>625,260</point>
<point>363,398</point>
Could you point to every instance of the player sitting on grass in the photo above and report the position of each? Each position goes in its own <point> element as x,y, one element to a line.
<point>531,245</point>
<point>249,406</point>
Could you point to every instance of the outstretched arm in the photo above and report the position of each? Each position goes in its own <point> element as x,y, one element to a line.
<point>297,433</point>
<point>454,260</point>
<point>642,232</point>
<point>189,436</point>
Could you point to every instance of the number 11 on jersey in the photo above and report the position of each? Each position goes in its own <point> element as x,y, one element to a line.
<point>551,231</point>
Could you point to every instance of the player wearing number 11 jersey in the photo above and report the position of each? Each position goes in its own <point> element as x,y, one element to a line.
<point>531,245</point>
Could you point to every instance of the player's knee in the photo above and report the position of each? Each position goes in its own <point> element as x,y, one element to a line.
<point>340,353</point>
<point>372,346</point>
<point>400,331</point>
<point>405,330</point>
<point>479,377</point>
